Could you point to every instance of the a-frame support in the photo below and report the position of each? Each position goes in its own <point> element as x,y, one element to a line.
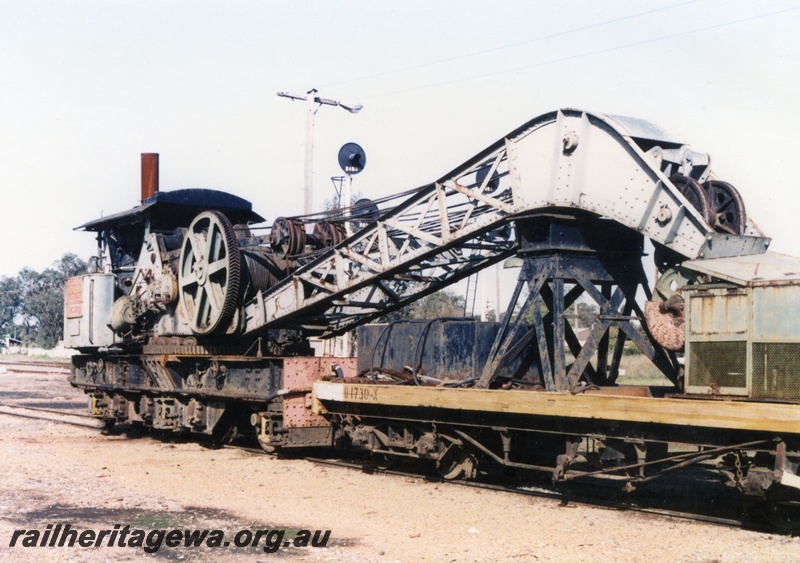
<point>564,258</point>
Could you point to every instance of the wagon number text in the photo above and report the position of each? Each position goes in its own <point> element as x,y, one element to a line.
<point>361,393</point>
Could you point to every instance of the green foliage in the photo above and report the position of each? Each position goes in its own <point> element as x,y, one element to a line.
<point>580,314</point>
<point>32,303</point>
<point>440,304</point>
<point>10,302</point>
<point>585,312</point>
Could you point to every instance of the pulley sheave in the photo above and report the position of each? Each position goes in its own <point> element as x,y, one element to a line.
<point>727,207</point>
<point>695,193</point>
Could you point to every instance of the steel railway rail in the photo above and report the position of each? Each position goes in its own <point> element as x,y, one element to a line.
<point>20,411</point>
<point>34,366</point>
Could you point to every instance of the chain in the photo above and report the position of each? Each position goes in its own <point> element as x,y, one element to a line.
<point>739,477</point>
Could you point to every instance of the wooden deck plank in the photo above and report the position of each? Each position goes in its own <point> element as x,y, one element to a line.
<point>740,415</point>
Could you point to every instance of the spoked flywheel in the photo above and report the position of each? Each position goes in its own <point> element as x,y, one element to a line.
<point>210,273</point>
<point>727,207</point>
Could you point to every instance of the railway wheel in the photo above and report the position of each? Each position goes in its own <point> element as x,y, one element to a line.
<point>457,463</point>
<point>209,273</point>
<point>727,207</point>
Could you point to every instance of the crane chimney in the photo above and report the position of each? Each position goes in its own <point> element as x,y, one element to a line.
<point>149,175</point>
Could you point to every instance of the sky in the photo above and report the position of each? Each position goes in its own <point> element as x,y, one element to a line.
<point>87,86</point>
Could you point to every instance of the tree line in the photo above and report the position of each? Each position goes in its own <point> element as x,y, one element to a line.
<point>32,303</point>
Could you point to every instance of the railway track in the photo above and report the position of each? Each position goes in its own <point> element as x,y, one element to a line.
<point>33,366</point>
<point>484,482</point>
<point>61,416</point>
<point>17,401</point>
<point>539,490</point>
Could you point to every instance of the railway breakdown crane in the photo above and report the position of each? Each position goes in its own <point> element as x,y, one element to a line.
<point>197,323</point>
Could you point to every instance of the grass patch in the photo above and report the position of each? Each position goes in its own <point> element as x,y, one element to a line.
<point>23,357</point>
<point>158,520</point>
<point>640,371</point>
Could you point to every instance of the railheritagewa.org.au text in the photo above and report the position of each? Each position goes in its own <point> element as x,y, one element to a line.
<point>151,541</point>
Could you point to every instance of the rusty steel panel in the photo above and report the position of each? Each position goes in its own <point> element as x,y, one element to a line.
<point>454,350</point>
<point>299,375</point>
<point>716,313</point>
<point>74,298</point>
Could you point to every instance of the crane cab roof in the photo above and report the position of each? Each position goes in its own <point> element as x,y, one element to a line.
<point>177,208</point>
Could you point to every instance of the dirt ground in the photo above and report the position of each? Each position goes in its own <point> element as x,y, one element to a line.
<point>56,473</point>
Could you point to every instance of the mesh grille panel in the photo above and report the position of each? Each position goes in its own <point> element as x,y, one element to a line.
<point>718,364</point>
<point>776,370</point>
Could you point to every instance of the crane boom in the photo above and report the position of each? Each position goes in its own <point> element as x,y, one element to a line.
<point>614,167</point>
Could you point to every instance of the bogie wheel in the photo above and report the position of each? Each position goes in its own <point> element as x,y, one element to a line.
<point>266,445</point>
<point>383,461</point>
<point>781,509</point>
<point>457,463</point>
<point>209,273</point>
<point>727,207</point>
<point>695,194</point>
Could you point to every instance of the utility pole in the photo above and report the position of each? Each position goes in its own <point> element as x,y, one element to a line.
<point>313,102</point>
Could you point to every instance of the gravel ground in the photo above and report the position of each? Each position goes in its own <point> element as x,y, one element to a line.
<point>55,473</point>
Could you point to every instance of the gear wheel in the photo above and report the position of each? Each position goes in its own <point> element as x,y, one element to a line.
<point>209,273</point>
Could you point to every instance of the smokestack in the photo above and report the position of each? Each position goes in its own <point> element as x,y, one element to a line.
<point>149,175</point>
